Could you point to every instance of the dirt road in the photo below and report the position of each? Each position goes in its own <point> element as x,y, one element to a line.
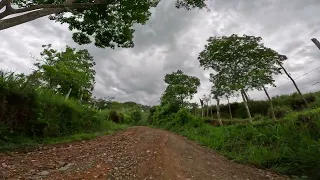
<point>139,153</point>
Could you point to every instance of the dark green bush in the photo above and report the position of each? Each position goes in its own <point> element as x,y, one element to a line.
<point>115,116</point>
<point>41,113</point>
<point>297,103</point>
<point>310,98</point>
<point>279,111</point>
<point>136,115</point>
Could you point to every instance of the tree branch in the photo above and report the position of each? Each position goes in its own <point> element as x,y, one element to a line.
<point>3,3</point>
<point>14,21</point>
<point>52,6</point>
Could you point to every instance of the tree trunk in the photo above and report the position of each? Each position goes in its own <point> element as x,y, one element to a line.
<point>246,105</point>
<point>2,107</point>
<point>230,112</point>
<point>271,105</point>
<point>246,96</point>
<point>207,110</point>
<point>202,113</point>
<point>218,111</point>
<point>67,96</point>
<point>294,83</point>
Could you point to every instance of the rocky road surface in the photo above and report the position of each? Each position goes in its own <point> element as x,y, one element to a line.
<point>138,153</point>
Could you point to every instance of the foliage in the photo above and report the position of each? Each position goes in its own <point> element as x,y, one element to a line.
<point>107,23</point>
<point>180,87</point>
<point>43,113</point>
<point>60,71</point>
<point>136,115</point>
<point>103,103</point>
<point>116,117</point>
<point>279,111</point>
<point>241,62</point>
<point>297,102</point>
<point>288,147</point>
<point>261,107</point>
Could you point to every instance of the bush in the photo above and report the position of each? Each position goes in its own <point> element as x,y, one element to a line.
<point>310,121</point>
<point>310,98</point>
<point>136,115</point>
<point>116,117</point>
<point>279,111</point>
<point>41,113</point>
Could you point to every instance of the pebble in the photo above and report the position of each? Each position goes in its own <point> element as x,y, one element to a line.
<point>43,173</point>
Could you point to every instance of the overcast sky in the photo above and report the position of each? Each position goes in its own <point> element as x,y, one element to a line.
<point>172,40</point>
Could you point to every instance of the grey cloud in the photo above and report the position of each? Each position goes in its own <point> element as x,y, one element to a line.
<point>172,39</point>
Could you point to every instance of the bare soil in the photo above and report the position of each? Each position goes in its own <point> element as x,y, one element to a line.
<point>138,153</point>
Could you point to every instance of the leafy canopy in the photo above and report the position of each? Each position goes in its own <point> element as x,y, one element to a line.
<point>180,87</point>
<point>107,23</point>
<point>60,71</point>
<point>240,62</point>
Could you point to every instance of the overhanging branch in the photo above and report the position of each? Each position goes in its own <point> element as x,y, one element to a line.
<point>3,3</point>
<point>14,21</point>
<point>11,11</point>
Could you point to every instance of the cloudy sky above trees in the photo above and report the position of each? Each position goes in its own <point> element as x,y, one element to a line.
<point>172,40</point>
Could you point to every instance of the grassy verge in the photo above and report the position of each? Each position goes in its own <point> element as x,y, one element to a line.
<point>23,143</point>
<point>290,147</point>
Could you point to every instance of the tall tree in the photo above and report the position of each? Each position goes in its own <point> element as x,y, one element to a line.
<point>283,58</point>
<point>107,22</point>
<point>67,70</point>
<point>242,62</point>
<point>180,87</point>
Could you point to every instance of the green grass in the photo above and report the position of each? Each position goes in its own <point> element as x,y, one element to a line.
<point>285,147</point>
<point>22,143</point>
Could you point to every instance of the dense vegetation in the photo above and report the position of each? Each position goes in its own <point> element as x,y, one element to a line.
<point>282,133</point>
<point>54,103</point>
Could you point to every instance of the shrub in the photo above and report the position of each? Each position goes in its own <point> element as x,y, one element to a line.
<point>26,111</point>
<point>279,111</point>
<point>310,98</point>
<point>116,117</point>
<point>310,121</point>
<point>136,115</point>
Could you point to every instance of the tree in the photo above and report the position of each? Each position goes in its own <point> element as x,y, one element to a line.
<point>206,99</point>
<point>106,22</point>
<point>103,103</point>
<point>68,70</point>
<point>180,87</point>
<point>217,93</point>
<point>283,58</point>
<point>230,111</point>
<point>201,103</point>
<point>241,62</point>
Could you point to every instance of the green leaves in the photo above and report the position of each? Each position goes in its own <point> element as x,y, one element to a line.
<point>67,69</point>
<point>241,62</point>
<point>106,23</point>
<point>180,86</point>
